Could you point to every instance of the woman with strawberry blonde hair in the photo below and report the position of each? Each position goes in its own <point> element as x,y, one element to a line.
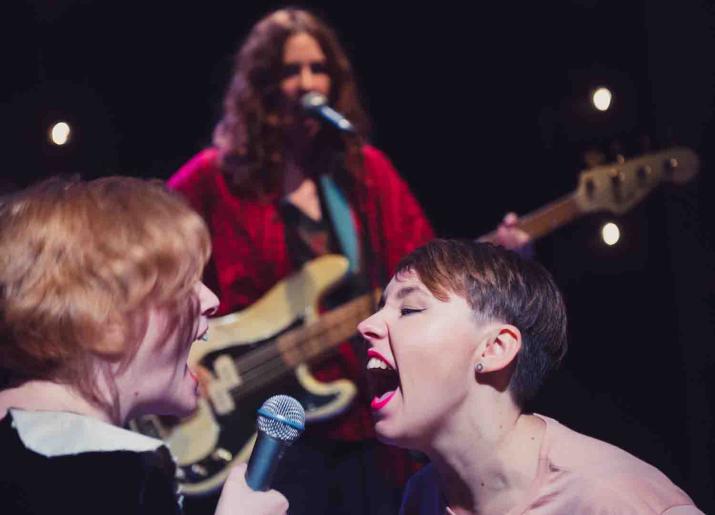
<point>100,301</point>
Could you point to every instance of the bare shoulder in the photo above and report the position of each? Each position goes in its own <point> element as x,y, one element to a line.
<point>601,473</point>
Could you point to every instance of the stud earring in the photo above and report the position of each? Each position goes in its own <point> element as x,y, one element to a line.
<point>479,368</point>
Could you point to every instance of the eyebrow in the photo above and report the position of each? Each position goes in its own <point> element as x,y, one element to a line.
<point>402,293</point>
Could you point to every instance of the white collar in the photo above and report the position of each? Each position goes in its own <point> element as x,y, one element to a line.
<point>58,433</point>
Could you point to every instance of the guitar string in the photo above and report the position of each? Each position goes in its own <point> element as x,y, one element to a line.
<point>258,376</point>
<point>266,363</point>
<point>291,342</point>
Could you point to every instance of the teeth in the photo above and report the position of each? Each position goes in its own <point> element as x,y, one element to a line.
<point>378,363</point>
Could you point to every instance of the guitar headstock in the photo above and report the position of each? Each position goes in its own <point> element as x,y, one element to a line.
<point>619,186</point>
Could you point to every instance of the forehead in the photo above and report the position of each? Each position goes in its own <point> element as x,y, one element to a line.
<point>405,283</point>
<point>301,46</point>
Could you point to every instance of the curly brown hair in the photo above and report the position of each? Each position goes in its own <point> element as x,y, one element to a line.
<point>250,135</point>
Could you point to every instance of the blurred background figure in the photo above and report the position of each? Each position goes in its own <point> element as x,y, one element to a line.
<point>279,188</point>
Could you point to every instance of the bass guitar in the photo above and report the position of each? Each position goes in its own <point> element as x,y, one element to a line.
<point>265,349</point>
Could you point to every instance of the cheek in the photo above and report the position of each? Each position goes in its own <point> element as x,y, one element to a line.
<point>438,355</point>
<point>323,85</point>
<point>289,87</point>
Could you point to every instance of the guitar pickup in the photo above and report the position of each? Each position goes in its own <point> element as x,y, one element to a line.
<point>219,389</point>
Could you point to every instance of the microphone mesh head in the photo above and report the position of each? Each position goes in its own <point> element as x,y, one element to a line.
<point>279,412</point>
<point>313,100</point>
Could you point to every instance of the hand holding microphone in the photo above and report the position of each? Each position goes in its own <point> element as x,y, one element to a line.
<point>281,420</point>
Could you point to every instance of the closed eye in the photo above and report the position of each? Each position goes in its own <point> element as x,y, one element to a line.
<point>290,70</point>
<point>409,311</point>
<point>319,67</point>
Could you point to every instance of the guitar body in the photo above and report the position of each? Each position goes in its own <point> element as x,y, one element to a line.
<point>246,366</point>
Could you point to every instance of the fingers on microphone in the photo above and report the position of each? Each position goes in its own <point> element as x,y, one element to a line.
<point>278,502</point>
<point>238,473</point>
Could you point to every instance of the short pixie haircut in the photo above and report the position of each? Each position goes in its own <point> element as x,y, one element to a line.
<point>500,285</point>
<point>81,263</point>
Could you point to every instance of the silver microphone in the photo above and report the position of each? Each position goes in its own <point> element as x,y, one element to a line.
<point>281,420</point>
<point>317,105</point>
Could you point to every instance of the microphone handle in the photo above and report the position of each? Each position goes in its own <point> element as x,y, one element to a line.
<point>336,119</point>
<point>263,462</point>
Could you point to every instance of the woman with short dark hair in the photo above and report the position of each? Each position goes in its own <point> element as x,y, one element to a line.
<point>465,335</point>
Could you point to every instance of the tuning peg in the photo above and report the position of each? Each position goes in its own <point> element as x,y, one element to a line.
<point>644,173</point>
<point>615,149</point>
<point>670,165</point>
<point>593,157</point>
<point>617,180</point>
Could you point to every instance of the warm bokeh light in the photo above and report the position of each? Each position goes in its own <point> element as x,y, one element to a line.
<point>610,233</point>
<point>60,133</point>
<point>602,99</point>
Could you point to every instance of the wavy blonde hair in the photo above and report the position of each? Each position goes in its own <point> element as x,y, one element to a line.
<point>81,264</point>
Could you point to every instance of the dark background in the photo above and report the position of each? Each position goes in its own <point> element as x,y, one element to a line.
<point>483,109</point>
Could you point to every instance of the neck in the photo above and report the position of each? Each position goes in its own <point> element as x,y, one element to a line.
<point>298,144</point>
<point>49,396</point>
<point>293,176</point>
<point>487,466</point>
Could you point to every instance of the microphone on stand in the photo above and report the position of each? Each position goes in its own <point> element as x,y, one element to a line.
<point>316,105</point>
<point>281,420</point>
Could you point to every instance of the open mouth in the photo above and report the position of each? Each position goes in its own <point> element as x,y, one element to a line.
<point>382,380</point>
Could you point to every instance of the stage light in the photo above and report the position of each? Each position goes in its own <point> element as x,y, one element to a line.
<point>602,99</point>
<point>610,234</point>
<point>60,133</point>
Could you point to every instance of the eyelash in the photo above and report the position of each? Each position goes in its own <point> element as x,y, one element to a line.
<point>409,311</point>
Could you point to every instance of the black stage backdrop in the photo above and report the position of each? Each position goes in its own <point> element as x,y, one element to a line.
<point>482,109</point>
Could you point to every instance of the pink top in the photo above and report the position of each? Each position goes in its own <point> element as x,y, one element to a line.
<point>577,474</point>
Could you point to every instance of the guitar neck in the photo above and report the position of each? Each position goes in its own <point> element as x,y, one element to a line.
<point>546,219</point>
<point>332,328</point>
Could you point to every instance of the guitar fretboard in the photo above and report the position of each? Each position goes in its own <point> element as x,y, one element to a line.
<point>272,360</point>
<point>305,343</point>
<point>546,219</point>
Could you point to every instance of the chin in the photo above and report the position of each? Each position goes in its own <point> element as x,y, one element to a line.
<point>182,404</point>
<point>390,436</point>
<point>178,408</point>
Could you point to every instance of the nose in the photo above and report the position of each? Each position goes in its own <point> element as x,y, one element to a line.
<point>306,78</point>
<point>208,300</point>
<point>373,328</point>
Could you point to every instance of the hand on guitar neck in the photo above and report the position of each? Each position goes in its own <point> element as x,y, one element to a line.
<point>615,188</point>
<point>508,234</point>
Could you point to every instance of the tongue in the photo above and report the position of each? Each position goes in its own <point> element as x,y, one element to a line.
<point>382,401</point>
<point>385,395</point>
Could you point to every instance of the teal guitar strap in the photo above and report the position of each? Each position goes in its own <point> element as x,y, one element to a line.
<point>342,220</point>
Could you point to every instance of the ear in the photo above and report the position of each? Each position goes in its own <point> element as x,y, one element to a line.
<point>500,349</point>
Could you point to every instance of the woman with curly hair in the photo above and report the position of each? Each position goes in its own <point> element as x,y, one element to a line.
<point>278,189</point>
